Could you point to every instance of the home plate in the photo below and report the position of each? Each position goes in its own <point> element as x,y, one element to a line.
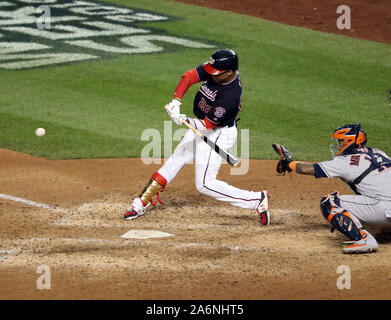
<point>145,234</point>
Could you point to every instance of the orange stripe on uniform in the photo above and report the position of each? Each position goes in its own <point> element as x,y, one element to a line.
<point>330,216</point>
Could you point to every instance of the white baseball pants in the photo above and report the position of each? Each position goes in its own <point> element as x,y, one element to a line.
<point>207,165</point>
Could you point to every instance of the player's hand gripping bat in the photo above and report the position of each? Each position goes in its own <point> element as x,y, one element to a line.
<point>223,153</point>
<point>177,118</point>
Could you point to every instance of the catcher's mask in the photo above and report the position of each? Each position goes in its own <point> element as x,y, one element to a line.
<point>348,138</point>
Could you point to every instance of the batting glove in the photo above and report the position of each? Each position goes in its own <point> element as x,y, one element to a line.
<point>174,106</point>
<point>173,110</point>
<point>178,118</point>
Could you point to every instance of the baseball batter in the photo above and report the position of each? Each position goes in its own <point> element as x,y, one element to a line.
<point>367,171</point>
<point>216,106</point>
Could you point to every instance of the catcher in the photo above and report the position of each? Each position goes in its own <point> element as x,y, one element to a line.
<point>367,172</point>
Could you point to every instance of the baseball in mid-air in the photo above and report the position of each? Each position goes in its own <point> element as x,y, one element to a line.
<point>40,132</point>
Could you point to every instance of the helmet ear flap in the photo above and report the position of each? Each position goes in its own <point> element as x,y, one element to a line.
<point>362,138</point>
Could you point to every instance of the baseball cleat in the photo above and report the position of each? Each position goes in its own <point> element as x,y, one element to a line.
<point>263,209</point>
<point>130,214</point>
<point>137,209</point>
<point>360,246</point>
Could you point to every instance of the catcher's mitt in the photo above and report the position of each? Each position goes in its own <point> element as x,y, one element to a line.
<point>286,158</point>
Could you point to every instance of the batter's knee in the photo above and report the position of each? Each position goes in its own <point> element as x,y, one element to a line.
<point>199,185</point>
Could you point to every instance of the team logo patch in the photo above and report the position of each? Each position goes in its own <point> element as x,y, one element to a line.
<point>37,33</point>
<point>219,112</point>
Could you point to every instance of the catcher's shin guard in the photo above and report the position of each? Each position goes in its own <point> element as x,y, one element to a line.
<point>340,218</point>
<point>156,184</point>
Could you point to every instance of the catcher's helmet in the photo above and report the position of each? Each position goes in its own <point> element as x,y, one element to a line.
<point>349,137</point>
<point>222,60</point>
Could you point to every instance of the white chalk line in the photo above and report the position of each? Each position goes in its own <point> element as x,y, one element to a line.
<point>5,254</point>
<point>31,203</point>
<point>124,242</point>
<point>124,225</point>
<point>139,223</point>
<point>120,242</point>
<point>143,242</point>
<point>91,205</point>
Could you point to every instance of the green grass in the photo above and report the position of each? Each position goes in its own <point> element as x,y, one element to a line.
<point>298,85</point>
<point>60,142</point>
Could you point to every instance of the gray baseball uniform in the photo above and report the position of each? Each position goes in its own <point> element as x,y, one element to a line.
<point>368,173</point>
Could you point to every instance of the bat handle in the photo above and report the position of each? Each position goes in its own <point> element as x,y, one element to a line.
<point>192,128</point>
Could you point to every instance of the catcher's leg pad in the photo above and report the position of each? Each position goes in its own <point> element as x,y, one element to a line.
<point>156,184</point>
<point>328,204</point>
<point>340,218</point>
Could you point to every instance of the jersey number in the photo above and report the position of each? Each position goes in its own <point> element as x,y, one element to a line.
<point>203,106</point>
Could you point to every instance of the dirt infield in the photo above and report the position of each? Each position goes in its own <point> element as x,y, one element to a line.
<point>217,252</point>
<point>75,224</point>
<point>370,19</point>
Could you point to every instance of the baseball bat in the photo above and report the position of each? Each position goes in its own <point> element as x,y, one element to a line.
<point>220,151</point>
<point>223,153</point>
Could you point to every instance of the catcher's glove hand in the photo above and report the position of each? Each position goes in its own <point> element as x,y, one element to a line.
<point>286,158</point>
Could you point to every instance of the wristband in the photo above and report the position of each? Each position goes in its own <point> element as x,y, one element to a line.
<point>292,165</point>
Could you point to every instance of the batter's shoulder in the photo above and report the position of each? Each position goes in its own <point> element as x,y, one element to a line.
<point>202,74</point>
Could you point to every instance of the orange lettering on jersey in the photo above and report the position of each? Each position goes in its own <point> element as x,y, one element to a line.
<point>354,160</point>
